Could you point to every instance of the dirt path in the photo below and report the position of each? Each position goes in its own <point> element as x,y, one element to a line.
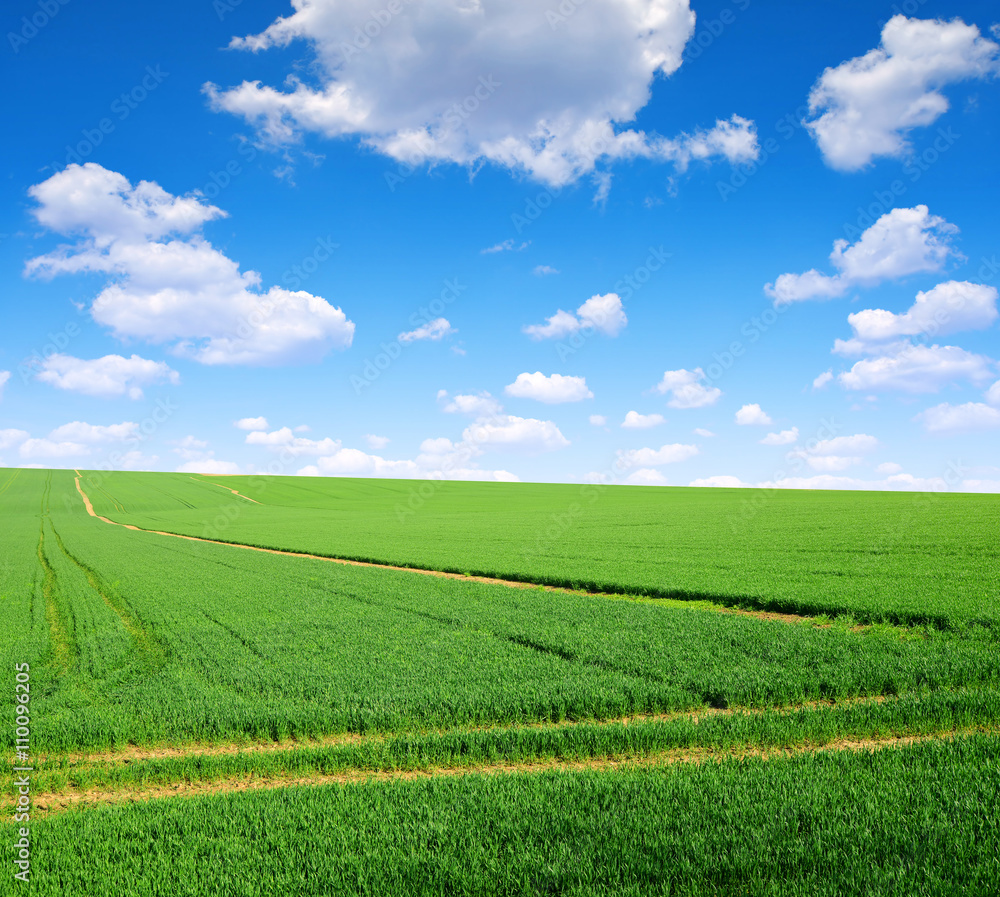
<point>210,483</point>
<point>155,752</point>
<point>489,580</point>
<point>47,804</point>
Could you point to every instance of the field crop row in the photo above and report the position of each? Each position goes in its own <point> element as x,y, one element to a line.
<point>881,557</point>
<point>694,736</point>
<point>164,640</point>
<point>917,820</point>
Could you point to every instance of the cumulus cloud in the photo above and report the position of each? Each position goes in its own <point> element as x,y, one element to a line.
<point>785,437</point>
<point>598,420</point>
<point>251,423</point>
<point>838,453</point>
<point>210,466</point>
<point>686,389</point>
<point>636,421</point>
<point>471,82</point>
<point>917,369</point>
<point>823,379</point>
<point>993,394</point>
<point>700,431</point>
<point>285,440</point>
<point>649,457</point>
<point>753,416</point>
<point>107,377</point>
<point>480,404</point>
<point>899,243</point>
<point>434,330</point>
<point>11,437</point>
<point>377,443</point>
<point>867,106</point>
<point>553,390</point>
<point>720,482</point>
<point>645,477</point>
<point>949,307</point>
<point>601,313</point>
<point>75,439</point>
<point>515,433</point>
<point>946,418</point>
<point>91,434</point>
<point>166,282</point>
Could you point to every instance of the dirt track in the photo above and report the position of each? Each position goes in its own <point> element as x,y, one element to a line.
<point>509,583</point>
<point>48,804</point>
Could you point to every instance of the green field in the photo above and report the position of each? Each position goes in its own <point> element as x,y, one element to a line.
<point>572,738</point>
<point>887,557</point>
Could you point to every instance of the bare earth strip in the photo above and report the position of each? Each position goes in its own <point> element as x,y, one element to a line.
<point>48,804</point>
<point>509,583</point>
<point>210,483</point>
<point>137,752</point>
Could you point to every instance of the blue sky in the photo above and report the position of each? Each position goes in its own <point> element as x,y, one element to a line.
<point>473,239</point>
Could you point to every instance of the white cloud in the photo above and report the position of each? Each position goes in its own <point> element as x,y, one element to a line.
<point>700,431</point>
<point>947,418</point>
<point>553,390</point>
<point>721,482</point>
<point>285,440</point>
<point>506,246</point>
<point>601,313</point>
<point>543,270</point>
<point>166,283</point>
<point>993,394</point>
<point>867,106</point>
<point>949,307</point>
<point>636,421</point>
<point>251,423</point>
<point>686,389</point>
<point>645,477</point>
<point>348,462</point>
<point>515,433</point>
<point>918,369</point>
<point>598,420</point>
<point>78,431</point>
<point>823,379</point>
<point>901,242</point>
<point>479,405</point>
<point>859,442</point>
<point>190,448</point>
<point>210,466</point>
<point>753,416</point>
<point>839,453</point>
<point>889,467</point>
<point>785,437</point>
<point>107,377</point>
<point>469,82</point>
<point>434,330</point>
<point>47,448</point>
<point>4,377</point>
<point>76,439</point>
<point>376,442</point>
<point>648,457</point>
<point>10,438</point>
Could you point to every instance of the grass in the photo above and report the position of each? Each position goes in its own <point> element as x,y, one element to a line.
<point>918,820</point>
<point>138,639</point>
<point>270,647</point>
<point>881,557</point>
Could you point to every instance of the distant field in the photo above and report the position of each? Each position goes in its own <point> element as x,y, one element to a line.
<point>889,557</point>
<point>176,672</point>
